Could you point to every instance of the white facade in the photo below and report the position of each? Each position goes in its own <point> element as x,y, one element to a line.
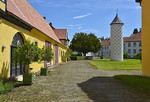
<point>106,51</point>
<point>133,48</point>
<point>116,44</point>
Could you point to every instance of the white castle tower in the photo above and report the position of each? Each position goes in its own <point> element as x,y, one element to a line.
<point>116,39</point>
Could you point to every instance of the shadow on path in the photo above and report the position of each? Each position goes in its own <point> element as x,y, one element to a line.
<point>108,89</point>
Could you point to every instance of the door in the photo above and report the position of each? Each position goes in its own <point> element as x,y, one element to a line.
<point>48,63</point>
<point>56,54</point>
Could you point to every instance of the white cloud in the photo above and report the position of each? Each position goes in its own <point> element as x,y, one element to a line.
<point>71,25</point>
<point>79,27</point>
<point>82,16</point>
<point>89,30</point>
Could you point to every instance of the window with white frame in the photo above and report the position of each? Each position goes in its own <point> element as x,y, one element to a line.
<point>134,44</point>
<point>129,44</point>
<point>134,51</point>
<point>129,51</point>
<point>139,44</point>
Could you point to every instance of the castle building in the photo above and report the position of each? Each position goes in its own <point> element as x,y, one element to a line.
<point>131,44</point>
<point>20,21</point>
<point>116,44</point>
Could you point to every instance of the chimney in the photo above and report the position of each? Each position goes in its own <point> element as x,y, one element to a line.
<point>44,18</point>
<point>51,25</point>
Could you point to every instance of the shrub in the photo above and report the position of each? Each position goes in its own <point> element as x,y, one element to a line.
<point>12,80</point>
<point>79,54</point>
<point>73,57</point>
<point>8,87</point>
<point>2,89</point>
<point>68,54</point>
<point>77,57</point>
<point>139,55</point>
<point>125,55</point>
<point>80,57</point>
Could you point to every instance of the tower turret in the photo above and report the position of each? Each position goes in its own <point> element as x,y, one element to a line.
<point>116,39</point>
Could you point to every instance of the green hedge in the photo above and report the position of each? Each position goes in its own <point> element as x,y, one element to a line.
<point>77,57</point>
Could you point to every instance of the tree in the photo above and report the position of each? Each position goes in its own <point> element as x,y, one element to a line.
<point>135,31</point>
<point>85,43</point>
<point>68,54</point>
<point>94,43</point>
<point>26,54</point>
<point>125,55</point>
<point>139,56</point>
<point>46,54</point>
<point>102,38</point>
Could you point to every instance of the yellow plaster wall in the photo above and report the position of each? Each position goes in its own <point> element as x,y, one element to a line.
<point>145,37</point>
<point>2,6</point>
<point>7,32</point>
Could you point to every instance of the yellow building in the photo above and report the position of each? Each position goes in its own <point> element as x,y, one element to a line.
<point>20,21</point>
<point>145,36</point>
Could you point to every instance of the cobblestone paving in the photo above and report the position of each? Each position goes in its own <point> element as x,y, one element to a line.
<point>78,81</point>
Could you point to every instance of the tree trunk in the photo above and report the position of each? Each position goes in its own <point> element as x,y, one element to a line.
<point>27,69</point>
<point>45,64</point>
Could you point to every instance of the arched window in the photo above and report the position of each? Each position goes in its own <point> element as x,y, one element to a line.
<point>17,40</point>
<point>16,68</point>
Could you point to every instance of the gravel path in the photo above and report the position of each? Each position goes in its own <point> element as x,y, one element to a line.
<point>78,81</point>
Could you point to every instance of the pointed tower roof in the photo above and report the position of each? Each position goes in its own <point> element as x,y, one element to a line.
<point>117,20</point>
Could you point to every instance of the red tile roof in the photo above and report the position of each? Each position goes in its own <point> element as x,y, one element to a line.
<point>106,41</point>
<point>23,10</point>
<point>61,33</point>
<point>132,38</point>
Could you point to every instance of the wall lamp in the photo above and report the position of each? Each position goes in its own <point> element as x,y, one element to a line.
<point>138,1</point>
<point>3,47</point>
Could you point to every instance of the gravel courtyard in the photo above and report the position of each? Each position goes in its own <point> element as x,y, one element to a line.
<point>78,81</point>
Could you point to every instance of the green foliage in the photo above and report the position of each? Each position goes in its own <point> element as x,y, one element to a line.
<point>127,64</point>
<point>76,54</point>
<point>94,43</point>
<point>85,43</point>
<point>27,53</point>
<point>125,55</point>
<point>135,81</point>
<point>102,38</point>
<point>77,57</point>
<point>46,53</point>
<point>8,87</point>
<point>135,31</point>
<point>2,89</point>
<point>68,54</point>
<point>139,55</point>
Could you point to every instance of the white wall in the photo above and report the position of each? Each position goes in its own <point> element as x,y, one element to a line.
<point>132,47</point>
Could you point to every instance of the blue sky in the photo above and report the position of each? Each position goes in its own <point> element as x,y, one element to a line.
<point>90,16</point>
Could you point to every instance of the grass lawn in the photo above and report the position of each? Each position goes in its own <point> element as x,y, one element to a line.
<point>135,81</point>
<point>106,64</point>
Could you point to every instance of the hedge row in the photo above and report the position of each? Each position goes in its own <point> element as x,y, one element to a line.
<point>77,57</point>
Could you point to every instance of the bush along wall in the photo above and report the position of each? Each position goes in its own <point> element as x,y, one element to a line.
<point>77,57</point>
<point>5,87</point>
